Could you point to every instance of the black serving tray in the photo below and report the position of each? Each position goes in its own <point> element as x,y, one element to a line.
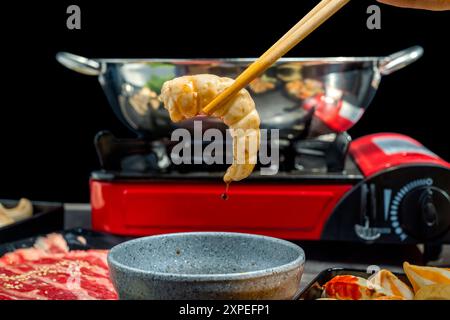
<point>47,217</point>
<point>77,239</point>
<point>313,290</point>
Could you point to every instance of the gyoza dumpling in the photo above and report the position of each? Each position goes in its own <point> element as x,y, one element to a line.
<point>391,284</point>
<point>425,276</point>
<point>434,292</point>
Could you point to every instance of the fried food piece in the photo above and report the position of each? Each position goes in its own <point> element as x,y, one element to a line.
<point>392,285</point>
<point>261,85</point>
<point>304,89</point>
<point>352,288</point>
<point>23,210</point>
<point>433,292</point>
<point>144,99</point>
<point>424,276</point>
<point>186,96</point>
<point>5,220</point>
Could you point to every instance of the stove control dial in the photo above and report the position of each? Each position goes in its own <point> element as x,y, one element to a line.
<point>425,212</point>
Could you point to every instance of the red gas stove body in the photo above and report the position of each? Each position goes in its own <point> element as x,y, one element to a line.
<point>395,173</point>
<point>285,211</point>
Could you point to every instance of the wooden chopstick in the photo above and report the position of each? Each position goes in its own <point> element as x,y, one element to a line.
<point>314,11</point>
<point>318,15</point>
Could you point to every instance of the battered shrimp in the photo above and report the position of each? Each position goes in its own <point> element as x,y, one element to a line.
<point>185,97</point>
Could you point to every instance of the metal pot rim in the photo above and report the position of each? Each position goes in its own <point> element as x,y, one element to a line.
<point>238,60</point>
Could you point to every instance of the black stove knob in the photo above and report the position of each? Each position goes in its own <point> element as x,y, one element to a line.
<point>425,213</point>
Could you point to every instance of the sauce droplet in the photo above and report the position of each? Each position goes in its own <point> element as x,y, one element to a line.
<point>224,195</point>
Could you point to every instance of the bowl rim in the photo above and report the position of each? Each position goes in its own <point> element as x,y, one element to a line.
<point>296,263</point>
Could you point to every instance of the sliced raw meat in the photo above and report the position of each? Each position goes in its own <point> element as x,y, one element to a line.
<point>50,271</point>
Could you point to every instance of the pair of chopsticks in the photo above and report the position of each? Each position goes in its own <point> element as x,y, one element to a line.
<point>318,15</point>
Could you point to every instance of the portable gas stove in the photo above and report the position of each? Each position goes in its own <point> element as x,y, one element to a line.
<point>384,188</point>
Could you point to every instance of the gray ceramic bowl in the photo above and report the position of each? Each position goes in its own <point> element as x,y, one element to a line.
<point>206,265</point>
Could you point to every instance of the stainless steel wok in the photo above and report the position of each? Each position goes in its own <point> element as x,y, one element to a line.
<point>310,96</point>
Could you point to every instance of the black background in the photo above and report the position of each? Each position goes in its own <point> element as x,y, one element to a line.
<point>50,114</point>
<point>171,309</point>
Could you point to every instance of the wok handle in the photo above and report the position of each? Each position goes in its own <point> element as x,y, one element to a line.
<point>80,64</point>
<point>399,60</point>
